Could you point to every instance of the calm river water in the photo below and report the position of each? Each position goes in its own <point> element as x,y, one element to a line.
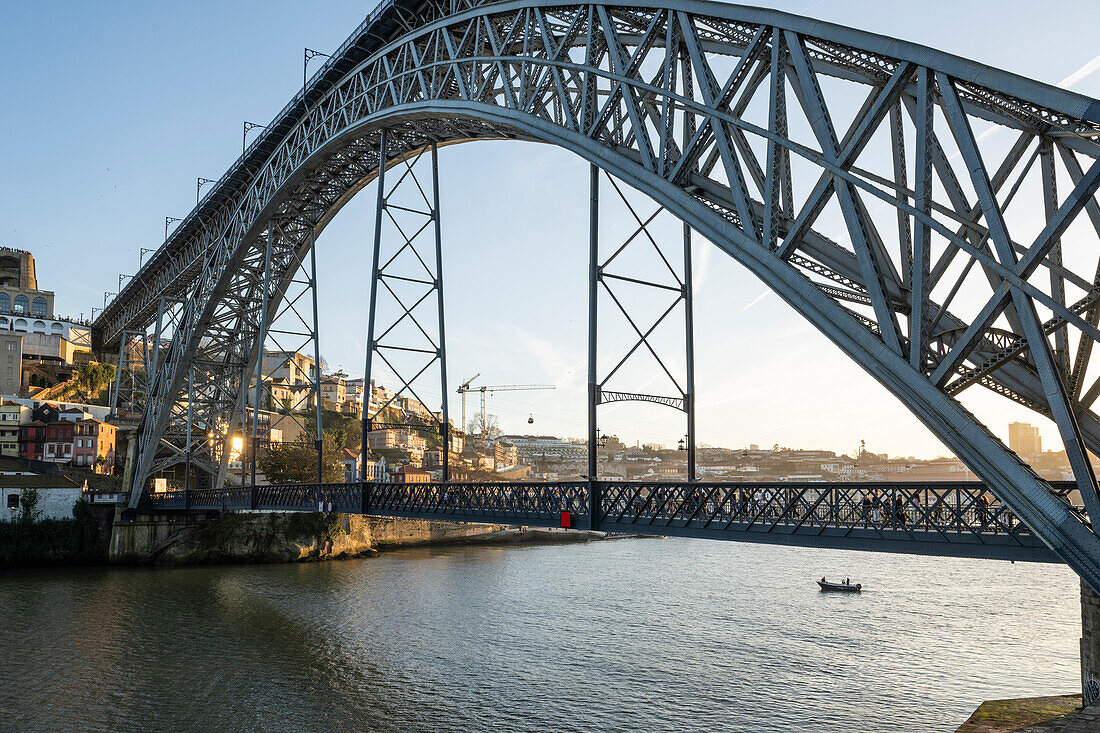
<point>653,634</point>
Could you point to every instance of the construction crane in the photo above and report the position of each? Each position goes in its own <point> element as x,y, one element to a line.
<point>462,390</point>
<point>466,387</point>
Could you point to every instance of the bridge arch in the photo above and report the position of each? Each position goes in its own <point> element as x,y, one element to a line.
<point>466,75</point>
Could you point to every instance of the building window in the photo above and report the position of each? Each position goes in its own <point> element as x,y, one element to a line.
<point>5,303</point>
<point>38,307</point>
<point>22,305</point>
<point>11,346</point>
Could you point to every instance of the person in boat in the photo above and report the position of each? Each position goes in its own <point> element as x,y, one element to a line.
<point>823,579</point>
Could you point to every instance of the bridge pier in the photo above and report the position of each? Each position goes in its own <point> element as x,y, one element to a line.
<point>1090,644</point>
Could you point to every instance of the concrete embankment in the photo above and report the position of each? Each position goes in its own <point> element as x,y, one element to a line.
<point>1057,714</point>
<point>171,539</point>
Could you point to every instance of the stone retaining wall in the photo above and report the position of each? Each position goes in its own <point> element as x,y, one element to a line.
<point>191,539</point>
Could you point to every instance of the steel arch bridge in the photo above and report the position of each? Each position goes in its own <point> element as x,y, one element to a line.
<point>738,121</point>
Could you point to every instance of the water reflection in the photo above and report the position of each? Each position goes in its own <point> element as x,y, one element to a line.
<point>635,634</point>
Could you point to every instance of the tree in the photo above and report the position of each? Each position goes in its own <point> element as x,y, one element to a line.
<point>296,462</point>
<point>90,379</point>
<point>338,435</point>
<point>486,429</point>
<point>29,513</point>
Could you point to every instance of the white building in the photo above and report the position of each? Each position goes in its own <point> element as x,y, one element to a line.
<point>56,494</point>
<point>533,447</point>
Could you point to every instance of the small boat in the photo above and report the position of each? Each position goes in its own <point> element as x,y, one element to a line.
<point>840,587</point>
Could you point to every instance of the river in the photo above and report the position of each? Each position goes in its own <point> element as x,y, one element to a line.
<point>639,634</point>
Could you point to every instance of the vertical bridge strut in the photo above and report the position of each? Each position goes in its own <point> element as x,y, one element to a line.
<point>662,282</point>
<point>406,341</point>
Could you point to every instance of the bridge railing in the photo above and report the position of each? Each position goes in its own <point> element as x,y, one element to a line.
<point>528,503</point>
<point>959,508</point>
<point>875,515</point>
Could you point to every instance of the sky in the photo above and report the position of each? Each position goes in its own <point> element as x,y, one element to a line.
<point>113,109</point>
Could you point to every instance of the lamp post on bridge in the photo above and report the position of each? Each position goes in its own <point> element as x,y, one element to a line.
<point>144,251</point>
<point>308,56</point>
<point>168,220</point>
<point>248,126</point>
<point>198,187</point>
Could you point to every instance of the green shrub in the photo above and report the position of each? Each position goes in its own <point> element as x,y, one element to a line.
<point>80,540</point>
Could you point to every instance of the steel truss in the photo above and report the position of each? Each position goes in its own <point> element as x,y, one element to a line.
<point>131,372</point>
<point>282,392</point>
<point>957,519</point>
<point>410,274</point>
<point>670,285</point>
<point>772,112</point>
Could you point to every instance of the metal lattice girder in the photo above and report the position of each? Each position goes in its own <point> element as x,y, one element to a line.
<point>667,286</point>
<point>289,328</point>
<point>629,290</point>
<point>938,518</point>
<point>406,332</point>
<point>715,112</point>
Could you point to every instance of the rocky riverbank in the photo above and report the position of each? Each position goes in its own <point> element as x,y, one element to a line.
<point>173,540</point>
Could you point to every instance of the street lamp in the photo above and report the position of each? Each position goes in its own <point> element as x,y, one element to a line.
<point>144,251</point>
<point>198,187</point>
<point>107,294</point>
<point>310,54</point>
<point>244,135</point>
<point>167,221</point>
<point>120,276</point>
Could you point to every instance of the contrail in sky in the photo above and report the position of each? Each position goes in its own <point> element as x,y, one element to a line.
<point>1084,72</point>
<point>756,300</point>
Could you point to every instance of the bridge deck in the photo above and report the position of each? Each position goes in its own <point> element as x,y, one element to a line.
<point>954,519</point>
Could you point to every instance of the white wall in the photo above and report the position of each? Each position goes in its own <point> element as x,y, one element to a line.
<point>53,503</point>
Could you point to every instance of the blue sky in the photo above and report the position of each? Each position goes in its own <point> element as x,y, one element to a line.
<point>114,109</point>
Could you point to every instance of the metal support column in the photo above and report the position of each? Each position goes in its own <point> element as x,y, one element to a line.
<point>190,439</point>
<point>404,278</point>
<point>689,347</point>
<point>260,342</point>
<point>122,344</point>
<point>155,356</point>
<point>381,183</point>
<point>593,378</point>
<point>445,422</point>
<point>316,359</point>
